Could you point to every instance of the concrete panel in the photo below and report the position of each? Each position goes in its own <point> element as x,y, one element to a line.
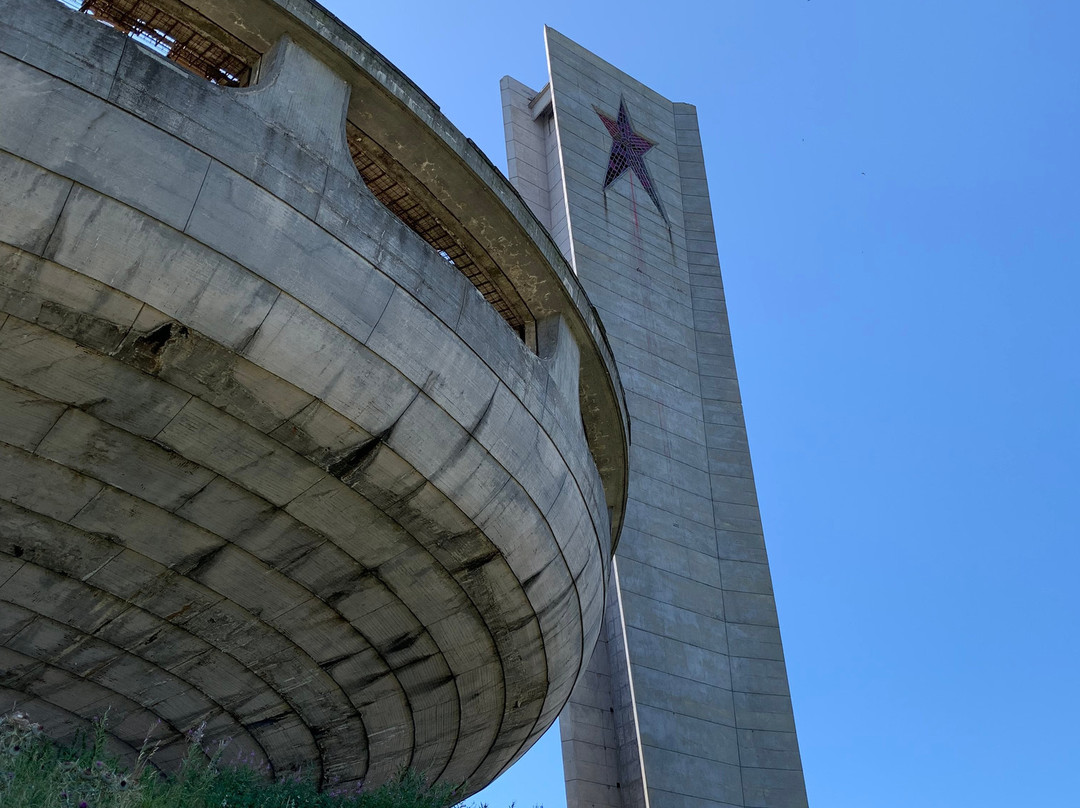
<point>161,266</point>
<point>766,676</point>
<point>249,225</point>
<point>760,711</point>
<point>709,702</point>
<point>765,788</point>
<point>116,154</point>
<point>705,779</point>
<point>769,749</point>
<point>756,642</point>
<point>346,376</point>
<point>65,302</point>
<point>664,587</point>
<point>687,661</point>
<point>688,735</point>
<point>43,487</point>
<point>750,608</point>
<point>30,203</point>
<point>238,452</point>
<point>118,458</point>
<point>25,418</point>
<point>70,46</point>
<point>53,366</point>
<point>427,353</point>
<point>669,620</point>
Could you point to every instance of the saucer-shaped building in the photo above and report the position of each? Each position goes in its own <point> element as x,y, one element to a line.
<point>308,434</point>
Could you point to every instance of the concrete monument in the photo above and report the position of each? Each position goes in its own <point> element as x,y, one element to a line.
<point>685,701</point>
<point>308,433</point>
<point>311,433</point>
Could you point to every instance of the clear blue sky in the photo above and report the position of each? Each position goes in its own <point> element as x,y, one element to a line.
<point>896,188</point>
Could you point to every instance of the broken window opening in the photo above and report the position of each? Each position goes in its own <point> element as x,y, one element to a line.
<point>182,35</point>
<point>178,33</point>
<point>400,201</point>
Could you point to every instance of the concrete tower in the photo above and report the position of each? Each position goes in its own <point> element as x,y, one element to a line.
<point>685,701</point>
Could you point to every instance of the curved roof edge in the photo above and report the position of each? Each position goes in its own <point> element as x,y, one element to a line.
<point>409,124</point>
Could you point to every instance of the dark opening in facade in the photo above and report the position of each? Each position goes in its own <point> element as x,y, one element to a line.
<point>403,203</point>
<point>182,35</point>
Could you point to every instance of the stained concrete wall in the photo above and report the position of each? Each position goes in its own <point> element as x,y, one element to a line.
<point>533,161</point>
<point>685,701</point>
<point>267,461</point>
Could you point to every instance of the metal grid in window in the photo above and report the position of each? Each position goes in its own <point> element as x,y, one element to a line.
<point>196,44</point>
<point>397,198</point>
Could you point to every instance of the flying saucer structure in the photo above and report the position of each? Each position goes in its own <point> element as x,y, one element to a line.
<point>309,435</point>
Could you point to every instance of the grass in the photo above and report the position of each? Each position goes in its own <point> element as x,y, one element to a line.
<point>35,772</point>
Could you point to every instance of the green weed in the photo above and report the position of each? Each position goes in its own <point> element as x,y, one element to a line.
<point>35,772</point>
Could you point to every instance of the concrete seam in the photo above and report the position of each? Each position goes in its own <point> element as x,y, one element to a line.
<point>119,63</point>
<point>390,589</point>
<point>210,161</point>
<point>241,349</point>
<point>267,625</point>
<point>169,423</point>
<point>196,493</point>
<point>89,672</point>
<point>94,635</point>
<point>50,429</point>
<point>217,598</point>
<point>127,332</point>
<point>630,680</point>
<point>59,215</point>
<point>88,502</point>
<point>562,168</point>
<point>14,572</point>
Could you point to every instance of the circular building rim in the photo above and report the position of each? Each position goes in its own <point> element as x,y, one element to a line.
<point>450,170</point>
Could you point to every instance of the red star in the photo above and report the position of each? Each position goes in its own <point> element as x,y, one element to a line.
<point>628,152</point>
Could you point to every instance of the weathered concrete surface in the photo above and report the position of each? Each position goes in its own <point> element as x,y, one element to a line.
<point>685,700</point>
<point>267,461</point>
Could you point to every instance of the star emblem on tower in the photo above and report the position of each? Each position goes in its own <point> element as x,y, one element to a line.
<point>628,152</point>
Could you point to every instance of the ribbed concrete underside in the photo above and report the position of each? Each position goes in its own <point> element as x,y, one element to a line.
<point>267,461</point>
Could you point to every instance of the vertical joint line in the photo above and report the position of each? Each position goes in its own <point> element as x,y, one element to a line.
<point>187,222</point>
<point>630,680</point>
<point>562,171</point>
